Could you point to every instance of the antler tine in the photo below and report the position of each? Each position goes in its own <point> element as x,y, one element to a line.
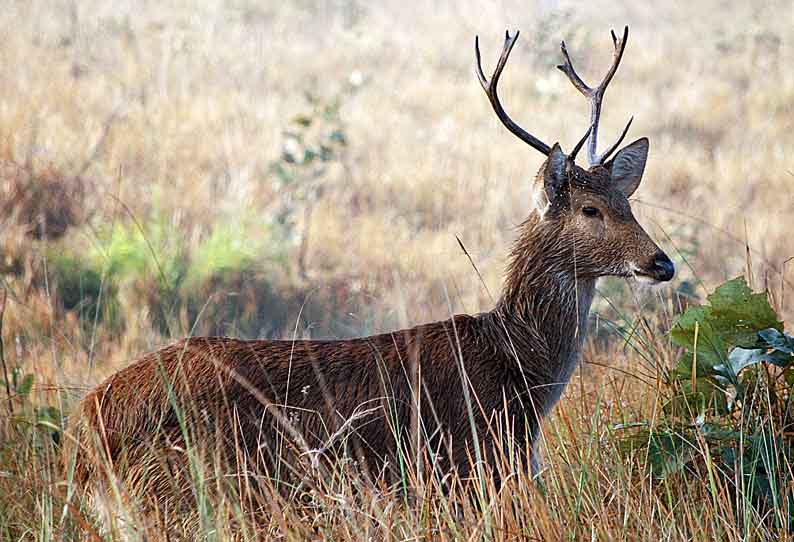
<point>617,55</point>
<point>603,158</point>
<point>575,151</point>
<point>490,90</point>
<point>595,95</point>
<point>567,69</point>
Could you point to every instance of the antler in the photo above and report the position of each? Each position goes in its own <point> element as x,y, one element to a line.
<point>490,90</point>
<point>596,95</point>
<point>575,151</point>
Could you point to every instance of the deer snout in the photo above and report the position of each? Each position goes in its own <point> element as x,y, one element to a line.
<point>661,269</point>
<point>658,268</point>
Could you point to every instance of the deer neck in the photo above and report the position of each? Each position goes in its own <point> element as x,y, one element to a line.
<point>544,298</point>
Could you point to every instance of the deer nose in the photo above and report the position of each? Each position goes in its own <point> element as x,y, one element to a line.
<point>663,269</point>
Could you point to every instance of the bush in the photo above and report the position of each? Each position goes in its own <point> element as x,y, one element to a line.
<point>80,288</point>
<point>726,416</point>
<point>236,280</point>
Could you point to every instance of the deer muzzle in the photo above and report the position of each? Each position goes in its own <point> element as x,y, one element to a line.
<point>661,268</point>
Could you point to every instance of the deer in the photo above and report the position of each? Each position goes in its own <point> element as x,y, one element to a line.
<point>272,402</point>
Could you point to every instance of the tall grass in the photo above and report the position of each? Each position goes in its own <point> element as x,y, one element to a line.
<point>596,481</point>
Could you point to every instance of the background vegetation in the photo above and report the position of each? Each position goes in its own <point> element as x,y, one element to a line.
<point>302,169</point>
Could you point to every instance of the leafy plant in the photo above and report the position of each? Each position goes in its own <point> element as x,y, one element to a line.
<point>315,141</point>
<point>27,414</point>
<point>81,288</point>
<point>725,409</point>
<point>723,338</point>
<point>227,250</point>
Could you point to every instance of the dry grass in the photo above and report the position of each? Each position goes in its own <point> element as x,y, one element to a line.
<point>167,119</point>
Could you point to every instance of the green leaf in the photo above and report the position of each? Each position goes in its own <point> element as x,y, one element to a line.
<point>761,465</point>
<point>326,153</point>
<point>25,386</point>
<point>737,314</point>
<point>668,453</point>
<point>706,397</point>
<point>308,156</point>
<point>284,176</point>
<point>683,331</point>
<point>710,346</point>
<point>49,415</point>
<point>704,365</point>
<point>718,433</point>
<point>733,317</point>
<point>338,136</point>
<point>740,358</point>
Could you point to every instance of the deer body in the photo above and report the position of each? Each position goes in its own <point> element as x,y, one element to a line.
<point>524,352</point>
<point>518,366</point>
<point>441,389</point>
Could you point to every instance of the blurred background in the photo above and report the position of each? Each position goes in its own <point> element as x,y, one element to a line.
<point>280,169</point>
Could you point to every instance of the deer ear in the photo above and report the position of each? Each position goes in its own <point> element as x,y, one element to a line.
<point>628,166</point>
<point>550,179</point>
<point>554,172</point>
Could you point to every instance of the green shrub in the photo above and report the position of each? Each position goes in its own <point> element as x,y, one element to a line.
<point>217,285</point>
<point>81,288</point>
<point>725,406</point>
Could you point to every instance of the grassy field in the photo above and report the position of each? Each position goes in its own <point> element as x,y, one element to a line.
<point>265,169</point>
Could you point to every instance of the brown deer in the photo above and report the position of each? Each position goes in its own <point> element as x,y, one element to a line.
<point>270,403</point>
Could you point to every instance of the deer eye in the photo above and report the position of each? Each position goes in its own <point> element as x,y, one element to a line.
<point>590,211</point>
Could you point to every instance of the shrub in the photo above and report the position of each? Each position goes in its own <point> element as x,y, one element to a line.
<point>726,415</point>
<point>81,288</point>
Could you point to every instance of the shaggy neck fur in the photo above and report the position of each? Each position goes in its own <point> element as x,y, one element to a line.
<point>544,305</point>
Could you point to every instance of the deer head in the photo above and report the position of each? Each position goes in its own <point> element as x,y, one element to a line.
<point>585,213</point>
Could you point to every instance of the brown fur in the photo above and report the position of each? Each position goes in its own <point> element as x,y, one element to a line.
<point>274,400</point>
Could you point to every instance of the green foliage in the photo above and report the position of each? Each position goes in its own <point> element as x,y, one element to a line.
<point>315,138</point>
<point>231,276</point>
<point>727,335</point>
<point>81,287</point>
<point>127,253</point>
<point>725,403</point>
<point>229,249</point>
<point>138,269</point>
<point>315,141</point>
<point>123,261</point>
<point>124,251</point>
<point>222,275</point>
<point>218,279</point>
<point>27,414</point>
<point>733,317</point>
